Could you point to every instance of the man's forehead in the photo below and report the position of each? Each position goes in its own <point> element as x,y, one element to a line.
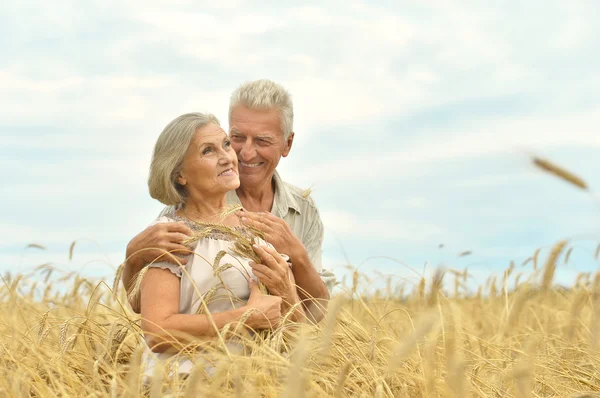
<point>263,134</point>
<point>244,120</point>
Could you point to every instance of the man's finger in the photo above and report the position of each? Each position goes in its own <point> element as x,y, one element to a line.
<point>179,248</point>
<point>258,217</point>
<point>168,257</point>
<point>269,218</point>
<point>178,226</point>
<point>177,237</point>
<point>264,228</point>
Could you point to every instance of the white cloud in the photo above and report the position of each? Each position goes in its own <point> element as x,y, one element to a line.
<point>486,137</point>
<point>345,224</point>
<point>396,94</point>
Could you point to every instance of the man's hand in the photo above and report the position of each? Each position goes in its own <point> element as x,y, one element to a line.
<point>277,232</point>
<point>152,243</point>
<point>274,272</point>
<point>267,309</point>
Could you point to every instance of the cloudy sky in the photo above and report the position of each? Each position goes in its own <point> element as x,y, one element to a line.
<point>415,122</point>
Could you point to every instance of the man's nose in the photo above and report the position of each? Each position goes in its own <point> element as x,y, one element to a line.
<point>247,152</point>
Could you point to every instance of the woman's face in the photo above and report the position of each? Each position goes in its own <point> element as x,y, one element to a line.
<point>210,166</point>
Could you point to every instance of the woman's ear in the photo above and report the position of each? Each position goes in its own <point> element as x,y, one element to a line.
<point>180,179</point>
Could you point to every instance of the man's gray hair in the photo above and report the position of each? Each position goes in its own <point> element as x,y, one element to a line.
<point>266,94</point>
<point>169,151</point>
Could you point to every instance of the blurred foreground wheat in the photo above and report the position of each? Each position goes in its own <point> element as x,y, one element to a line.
<point>527,340</point>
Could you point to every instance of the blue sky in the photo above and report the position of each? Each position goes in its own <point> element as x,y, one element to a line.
<point>415,122</point>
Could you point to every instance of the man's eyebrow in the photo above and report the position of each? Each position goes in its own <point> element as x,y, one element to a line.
<point>234,130</point>
<point>265,137</point>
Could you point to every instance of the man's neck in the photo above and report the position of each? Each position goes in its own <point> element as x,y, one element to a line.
<point>257,198</point>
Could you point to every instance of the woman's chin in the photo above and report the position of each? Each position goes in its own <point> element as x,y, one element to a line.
<point>232,185</point>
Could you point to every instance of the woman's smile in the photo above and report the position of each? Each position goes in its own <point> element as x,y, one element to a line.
<point>227,173</point>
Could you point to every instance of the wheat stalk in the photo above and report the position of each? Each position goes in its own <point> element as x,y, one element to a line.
<point>550,266</point>
<point>560,172</point>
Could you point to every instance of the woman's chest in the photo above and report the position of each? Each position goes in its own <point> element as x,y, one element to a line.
<point>216,276</point>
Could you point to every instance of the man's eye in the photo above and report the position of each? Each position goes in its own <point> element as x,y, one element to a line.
<point>237,138</point>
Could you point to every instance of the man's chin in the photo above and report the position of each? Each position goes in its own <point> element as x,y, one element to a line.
<point>248,180</point>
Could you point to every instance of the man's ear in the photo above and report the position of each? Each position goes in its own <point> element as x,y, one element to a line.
<point>288,145</point>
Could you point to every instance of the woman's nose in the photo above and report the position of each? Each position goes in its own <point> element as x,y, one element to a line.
<point>226,156</point>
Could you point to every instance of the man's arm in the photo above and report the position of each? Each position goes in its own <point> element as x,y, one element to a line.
<point>156,241</point>
<point>311,288</point>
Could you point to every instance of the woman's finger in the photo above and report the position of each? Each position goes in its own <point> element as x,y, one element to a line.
<point>263,269</point>
<point>266,257</point>
<point>262,277</point>
<point>276,256</point>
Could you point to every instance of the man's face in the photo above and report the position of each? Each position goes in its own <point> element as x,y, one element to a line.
<point>257,139</point>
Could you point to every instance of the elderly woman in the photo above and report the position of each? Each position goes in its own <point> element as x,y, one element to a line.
<point>192,169</point>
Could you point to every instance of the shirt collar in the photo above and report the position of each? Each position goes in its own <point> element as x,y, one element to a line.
<point>282,202</point>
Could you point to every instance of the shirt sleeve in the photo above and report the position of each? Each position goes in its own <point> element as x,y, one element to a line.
<point>176,269</point>
<point>314,247</point>
<point>165,211</point>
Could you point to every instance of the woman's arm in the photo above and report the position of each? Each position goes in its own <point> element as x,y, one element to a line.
<point>163,324</point>
<point>152,243</point>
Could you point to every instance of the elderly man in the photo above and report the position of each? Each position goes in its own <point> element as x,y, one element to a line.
<point>261,131</point>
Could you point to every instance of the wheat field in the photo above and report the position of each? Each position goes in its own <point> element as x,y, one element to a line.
<point>65,335</point>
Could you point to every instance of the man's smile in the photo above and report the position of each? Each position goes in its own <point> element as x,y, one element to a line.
<point>250,165</point>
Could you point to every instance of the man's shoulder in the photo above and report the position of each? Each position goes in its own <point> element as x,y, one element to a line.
<point>301,195</point>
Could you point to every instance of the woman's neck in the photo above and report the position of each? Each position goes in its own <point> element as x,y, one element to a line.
<point>204,209</point>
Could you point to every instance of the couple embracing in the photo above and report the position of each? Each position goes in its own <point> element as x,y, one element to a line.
<point>230,223</point>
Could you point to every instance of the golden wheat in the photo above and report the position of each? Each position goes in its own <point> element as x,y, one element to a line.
<point>560,172</point>
<point>83,340</point>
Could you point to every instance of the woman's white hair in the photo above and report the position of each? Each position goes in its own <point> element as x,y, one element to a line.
<point>266,94</point>
<point>169,151</point>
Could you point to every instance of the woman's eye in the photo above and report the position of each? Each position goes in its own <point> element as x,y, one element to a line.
<point>206,151</point>
<point>227,144</point>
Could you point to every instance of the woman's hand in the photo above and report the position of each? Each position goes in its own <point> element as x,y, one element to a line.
<point>266,309</point>
<point>277,276</point>
<point>274,272</point>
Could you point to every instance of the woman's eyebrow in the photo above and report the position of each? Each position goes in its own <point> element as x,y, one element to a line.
<point>211,142</point>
